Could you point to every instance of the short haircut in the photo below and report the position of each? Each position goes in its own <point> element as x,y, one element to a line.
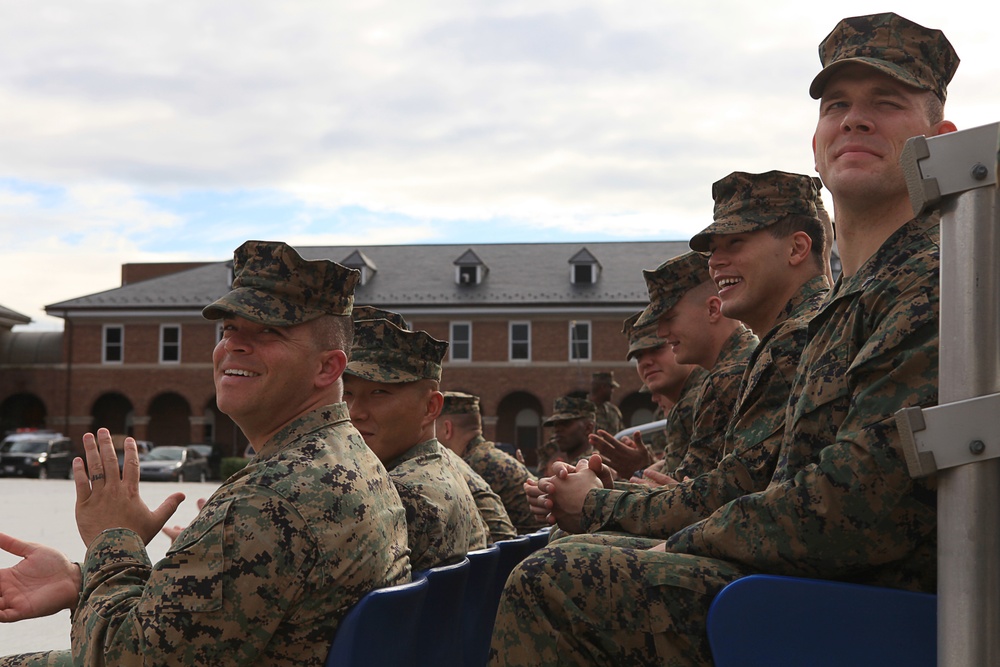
<point>934,108</point>
<point>334,332</point>
<point>465,421</point>
<point>811,226</point>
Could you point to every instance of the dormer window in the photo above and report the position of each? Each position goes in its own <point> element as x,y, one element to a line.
<point>358,260</point>
<point>584,269</point>
<point>469,269</point>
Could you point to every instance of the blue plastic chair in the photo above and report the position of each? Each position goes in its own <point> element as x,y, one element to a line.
<point>539,538</point>
<point>439,632</point>
<point>361,638</point>
<point>772,621</point>
<point>477,626</point>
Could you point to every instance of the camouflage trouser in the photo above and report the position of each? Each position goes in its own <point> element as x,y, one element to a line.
<point>45,659</point>
<point>580,603</point>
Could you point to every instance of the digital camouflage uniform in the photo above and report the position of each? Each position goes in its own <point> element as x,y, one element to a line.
<point>568,408</point>
<point>609,417</point>
<point>680,420</point>
<point>491,508</point>
<point>841,504</point>
<point>752,442</point>
<point>443,522</point>
<point>506,476</point>
<point>280,552</point>
<point>715,404</point>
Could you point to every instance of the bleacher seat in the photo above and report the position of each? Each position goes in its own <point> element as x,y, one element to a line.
<point>361,637</point>
<point>439,631</point>
<point>772,621</point>
<point>477,626</point>
<point>539,538</point>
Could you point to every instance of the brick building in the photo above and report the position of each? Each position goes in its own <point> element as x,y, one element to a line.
<point>526,323</point>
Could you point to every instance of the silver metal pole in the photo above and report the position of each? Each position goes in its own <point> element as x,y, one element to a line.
<point>969,494</point>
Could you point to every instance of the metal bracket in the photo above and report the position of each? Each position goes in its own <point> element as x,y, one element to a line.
<point>950,163</point>
<point>949,435</point>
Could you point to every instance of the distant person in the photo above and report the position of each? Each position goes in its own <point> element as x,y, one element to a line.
<point>282,550</point>
<point>460,429</point>
<point>602,388</point>
<point>572,422</point>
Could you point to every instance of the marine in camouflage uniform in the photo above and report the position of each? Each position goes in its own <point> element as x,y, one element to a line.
<point>609,417</point>
<point>744,203</point>
<point>841,504</point>
<point>574,420</point>
<point>713,406</point>
<point>443,522</point>
<point>281,551</point>
<point>505,474</point>
<point>488,502</point>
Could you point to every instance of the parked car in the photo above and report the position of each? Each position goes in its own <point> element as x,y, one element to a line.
<point>214,456</point>
<point>173,463</point>
<point>41,454</point>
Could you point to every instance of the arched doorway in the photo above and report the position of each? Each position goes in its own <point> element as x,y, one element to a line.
<point>113,412</point>
<point>220,430</point>
<point>169,420</point>
<point>519,422</point>
<point>637,408</point>
<point>22,411</point>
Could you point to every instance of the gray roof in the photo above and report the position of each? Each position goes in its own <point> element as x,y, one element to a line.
<point>415,276</point>
<point>9,318</point>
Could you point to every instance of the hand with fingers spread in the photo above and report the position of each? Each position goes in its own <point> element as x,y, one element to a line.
<point>626,455</point>
<point>42,583</point>
<point>106,499</point>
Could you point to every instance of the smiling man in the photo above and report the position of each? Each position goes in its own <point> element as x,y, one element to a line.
<point>282,550</point>
<point>391,386</point>
<point>685,303</point>
<point>841,504</point>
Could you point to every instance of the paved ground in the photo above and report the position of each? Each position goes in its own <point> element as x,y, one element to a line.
<point>42,511</point>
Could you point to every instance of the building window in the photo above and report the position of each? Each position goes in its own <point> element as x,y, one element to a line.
<point>461,341</point>
<point>467,275</point>
<point>114,344</point>
<point>170,344</point>
<point>579,341</point>
<point>583,274</point>
<point>520,341</point>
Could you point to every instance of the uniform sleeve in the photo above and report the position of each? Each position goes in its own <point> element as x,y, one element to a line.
<point>662,511</point>
<point>216,598</point>
<point>850,504</point>
<point>711,417</point>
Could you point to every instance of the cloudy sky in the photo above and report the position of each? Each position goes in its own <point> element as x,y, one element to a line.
<point>138,131</point>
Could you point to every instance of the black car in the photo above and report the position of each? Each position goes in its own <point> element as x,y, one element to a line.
<point>41,454</point>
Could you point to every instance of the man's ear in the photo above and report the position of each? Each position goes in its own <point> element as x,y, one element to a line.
<point>332,365</point>
<point>799,248</point>
<point>435,401</point>
<point>714,305</point>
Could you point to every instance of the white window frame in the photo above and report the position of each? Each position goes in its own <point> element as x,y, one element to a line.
<point>104,343</point>
<point>510,341</point>
<point>478,270</point>
<point>163,343</point>
<point>590,343</point>
<point>451,340</point>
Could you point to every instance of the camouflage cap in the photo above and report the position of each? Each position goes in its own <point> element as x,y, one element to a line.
<point>915,55</point>
<point>668,282</point>
<point>605,377</point>
<point>373,313</point>
<point>459,403</point>
<point>640,338</point>
<point>748,202</point>
<point>383,352</point>
<point>273,285</point>
<point>568,407</point>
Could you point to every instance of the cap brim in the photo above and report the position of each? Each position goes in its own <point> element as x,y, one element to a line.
<point>884,66</point>
<point>378,373</point>
<point>260,307</point>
